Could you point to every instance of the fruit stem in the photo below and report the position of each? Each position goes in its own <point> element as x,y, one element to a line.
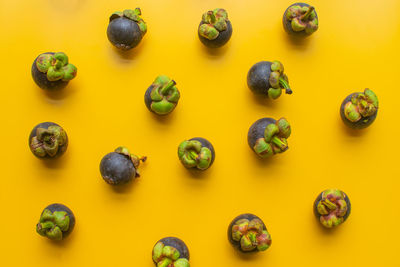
<point>164,91</point>
<point>193,155</point>
<point>307,14</point>
<point>285,85</point>
<point>279,143</point>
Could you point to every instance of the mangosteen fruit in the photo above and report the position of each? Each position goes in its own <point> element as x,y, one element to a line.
<point>48,140</point>
<point>196,153</point>
<point>268,137</point>
<point>359,110</point>
<point>51,71</point>
<point>56,222</point>
<point>248,233</point>
<point>300,19</point>
<point>162,96</point>
<point>332,207</point>
<point>267,78</point>
<point>170,252</point>
<point>120,166</point>
<point>215,29</point>
<point>126,29</point>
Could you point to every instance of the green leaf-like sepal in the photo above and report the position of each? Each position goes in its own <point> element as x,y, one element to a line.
<point>43,62</point>
<point>302,19</point>
<point>56,66</point>
<point>278,81</point>
<point>214,22</point>
<point>208,31</point>
<point>182,263</point>
<point>134,15</point>
<point>164,95</point>
<point>116,15</point>
<point>69,72</point>
<point>193,154</point>
<point>53,225</point>
<point>351,112</point>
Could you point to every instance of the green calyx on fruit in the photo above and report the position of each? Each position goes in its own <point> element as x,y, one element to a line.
<point>302,18</point>
<point>251,235</point>
<point>278,81</point>
<point>56,66</point>
<point>53,224</point>
<point>193,154</point>
<point>134,15</point>
<point>167,256</point>
<point>214,22</point>
<point>332,208</point>
<point>135,159</point>
<point>48,141</point>
<point>361,105</point>
<point>164,95</point>
<point>274,140</point>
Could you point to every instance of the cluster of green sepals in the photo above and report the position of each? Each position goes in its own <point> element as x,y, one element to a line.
<point>167,256</point>
<point>134,15</point>
<point>48,141</point>
<point>278,81</point>
<point>274,140</point>
<point>135,159</point>
<point>164,95</point>
<point>214,22</point>
<point>193,154</point>
<point>251,235</point>
<point>332,208</point>
<point>53,224</point>
<point>361,105</point>
<point>302,18</point>
<point>56,66</point>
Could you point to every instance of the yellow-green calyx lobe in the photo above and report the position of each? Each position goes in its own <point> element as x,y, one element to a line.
<point>167,256</point>
<point>135,159</point>
<point>251,235</point>
<point>302,18</point>
<point>274,140</point>
<point>278,81</point>
<point>361,105</point>
<point>48,141</point>
<point>53,224</point>
<point>332,208</point>
<point>56,66</point>
<point>214,22</point>
<point>193,154</point>
<point>134,15</point>
<point>164,95</point>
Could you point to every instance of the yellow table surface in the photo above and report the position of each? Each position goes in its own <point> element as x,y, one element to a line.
<point>356,47</point>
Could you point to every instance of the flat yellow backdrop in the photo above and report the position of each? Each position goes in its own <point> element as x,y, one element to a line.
<point>357,46</point>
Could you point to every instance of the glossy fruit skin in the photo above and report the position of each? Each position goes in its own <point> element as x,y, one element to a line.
<point>147,98</point>
<point>178,244</point>
<point>287,24</point>
<point>46,125</point>
<point>258,77</point>
<point>60,207</point>
<point>204,142</point>
<point>362,123</point>
<point>124,33</point>
<point>222,38</point>
<point>257,130</point>
<point>116,168</point>
<point>41,80</point>
<point>236,244</point>
<point>315,206</point>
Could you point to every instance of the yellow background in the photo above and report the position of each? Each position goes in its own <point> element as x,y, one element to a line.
<point>356,47</point>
